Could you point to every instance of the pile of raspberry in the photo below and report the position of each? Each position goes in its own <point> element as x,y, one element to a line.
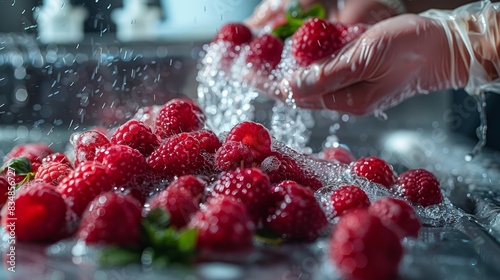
<point>164,182</point>
<point>261,60</point>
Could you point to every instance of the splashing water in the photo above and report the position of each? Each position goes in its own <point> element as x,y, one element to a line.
<point>483,126</point>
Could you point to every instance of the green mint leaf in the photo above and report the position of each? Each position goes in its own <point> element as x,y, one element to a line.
<point>268,237</point>
<point>294,10</point>
<point>187,240</point>
<point>316,11</point>
<point>286,30</point>
<point>30,176</point>
<point>117,256</point>
<point>158,217</point>
<point>20,165</point>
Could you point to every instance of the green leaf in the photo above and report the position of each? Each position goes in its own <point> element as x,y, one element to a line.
<point>158,217</point>
<point>20,165</point>
<point>294,11</point>
<point>316,11</point>
<point>286,30</point>
<point>117,256</point>
<point>187,240</point>
<point>268,237</point>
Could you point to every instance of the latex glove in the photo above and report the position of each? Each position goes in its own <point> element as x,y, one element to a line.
<point>393,60</point>
<point>403,56</point>
<point>361,11</point>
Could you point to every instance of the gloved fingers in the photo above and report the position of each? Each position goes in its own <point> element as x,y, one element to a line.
<point>265,13</point>
<point>357,99</point>
<point>328,75</point>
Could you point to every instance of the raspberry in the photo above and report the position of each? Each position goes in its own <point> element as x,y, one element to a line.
<point>208,140</point>
<point>280,167</point>
<point>233,154</point>
<point>249,186</point>
<point>362,247</point>
<point>179,115</point>
<point>338,155</point>
<point>398,215</point>
<point>53,172</point>
<point>40,213</point>
<point>57,157</point>
<point>234,33</point>
<point>315,39</point>
<point>255,136</point>
<point>295,214</point>
<point>178,202</point>
<point>136,135</point>
<point>83,184</point>
<point>4,190</point>
<point>123,163</point>
<point>419,186</point>
<point>223,225</point>
<point>348,198</point>
<point>193,184</point>
<point>34,152</point>
<point>112,219</point>
<point>86,145</point>
<point>265,52</point>
<point>179,155</point>
<point>374,169</point>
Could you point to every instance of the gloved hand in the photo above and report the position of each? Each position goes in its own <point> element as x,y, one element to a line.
<point>403,56</point>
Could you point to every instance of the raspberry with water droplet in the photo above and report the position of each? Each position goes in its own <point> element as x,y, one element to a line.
<point>362,247</point>
<point>419,186</point>
<point>374,169</point>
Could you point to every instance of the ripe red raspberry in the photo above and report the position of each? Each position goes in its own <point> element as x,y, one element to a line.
<point>398,215</point>
<point>34,152</point>
<point>208,140</point>
<point>179,115</point>
<point>83,184</point>
<point>374,169</point>
<point>136,135</point>
<point>4,190</point>
<point>112,219</point>
<point>234,33</point>
<point>57,157</point>
<point>40,213</point>
<point>178,202</point>
<point>419,186</point>
<point>123,163</point>
<point>195,185</point>
<point>338,155</point>
<point>348,198</point>
<point>53,172</point>
<point>223,225</point>
<point>315,39</point>
<point>86,145</point>
<point>255,136</point>
<point>265,53</point>
<point>232,155</point>
<point>295,213</point>
<point>249,186</point>
<point>179,155</point>
<point>362,247</point>
<point>280,167</point>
